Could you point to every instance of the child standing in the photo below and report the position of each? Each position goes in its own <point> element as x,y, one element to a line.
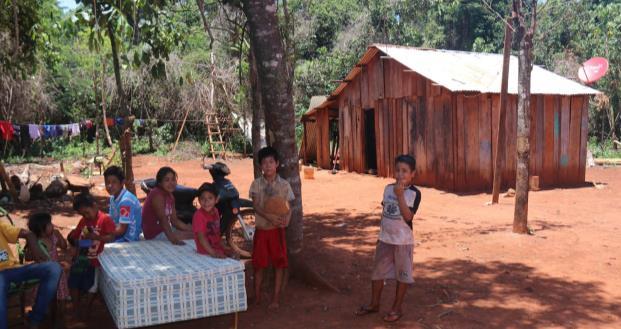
<point>206,224</point>
<point>125,209</point>
<point>49,240</point>
<point>93,231</point>
<point>269,239</point>
<point>395,246</point>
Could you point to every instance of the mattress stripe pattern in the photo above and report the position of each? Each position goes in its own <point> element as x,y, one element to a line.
<point>153,282</point>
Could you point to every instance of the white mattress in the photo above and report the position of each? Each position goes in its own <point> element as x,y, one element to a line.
<point>153,282</point>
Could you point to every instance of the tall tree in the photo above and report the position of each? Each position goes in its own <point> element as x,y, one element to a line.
<point>276,90</point>
<point>525,23</point>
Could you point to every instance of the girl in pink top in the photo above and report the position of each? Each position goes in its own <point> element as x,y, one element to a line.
<point>159,217</point>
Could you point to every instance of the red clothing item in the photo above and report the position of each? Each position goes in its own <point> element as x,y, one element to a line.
<point>6,130</point>
<point>270,246</point>
<point>150,223</point>
<point>102,225</point>
<point>207,224</point>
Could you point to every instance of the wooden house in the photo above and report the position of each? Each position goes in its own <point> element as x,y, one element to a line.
<point>442,107</point>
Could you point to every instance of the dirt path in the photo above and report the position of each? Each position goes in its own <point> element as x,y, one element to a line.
<point>470,271</point>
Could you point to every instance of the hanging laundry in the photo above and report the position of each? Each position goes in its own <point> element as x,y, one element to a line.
<point>110,122</point>
<point>6,130</point>
<point>24,136</point>
<point>51,131</point>
<point>34,131</point>
<point>120,121</point>
<point>74,129</point>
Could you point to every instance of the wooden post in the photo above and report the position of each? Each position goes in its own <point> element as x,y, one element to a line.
<point>185,117</point>
<point>305,144</point>
<point>500,137</point>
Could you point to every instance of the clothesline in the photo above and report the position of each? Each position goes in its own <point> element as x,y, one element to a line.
<point>33,132</point>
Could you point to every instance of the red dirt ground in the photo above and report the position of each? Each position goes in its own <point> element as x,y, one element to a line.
<point>470,270</point>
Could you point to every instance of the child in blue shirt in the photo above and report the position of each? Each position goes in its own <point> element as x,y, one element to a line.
<point>125,208</point>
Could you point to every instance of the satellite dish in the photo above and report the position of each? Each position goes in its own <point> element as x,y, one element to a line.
<point>593,70</point>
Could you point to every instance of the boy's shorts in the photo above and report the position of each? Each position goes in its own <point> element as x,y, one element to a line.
<point>83,278</point>
<point>393,262</point>
<point>270,247</point>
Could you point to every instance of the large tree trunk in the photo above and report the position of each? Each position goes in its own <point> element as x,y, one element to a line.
<point>277,97</point>
<point>126,136</point>
<point>258,114</point>
<point>524,36</point>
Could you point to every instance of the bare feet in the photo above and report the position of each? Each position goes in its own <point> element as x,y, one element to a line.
<point>273,306</point>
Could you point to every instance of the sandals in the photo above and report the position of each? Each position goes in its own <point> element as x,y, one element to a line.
<point>365,310</point>
<point>392,316</point>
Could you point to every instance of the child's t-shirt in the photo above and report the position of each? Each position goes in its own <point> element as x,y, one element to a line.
<point>207,224</point>
<point>394,229</point>
<point>8,234</point>
<point>126,209</point>
<point>261,190</point>
<point>102,225</point>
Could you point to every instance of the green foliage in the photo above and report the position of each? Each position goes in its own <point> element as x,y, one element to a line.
<point>605,149</point>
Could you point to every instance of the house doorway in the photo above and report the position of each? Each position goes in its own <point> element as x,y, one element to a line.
<point>369,141</point>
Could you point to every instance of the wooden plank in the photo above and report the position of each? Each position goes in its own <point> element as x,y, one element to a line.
<point>532,137</point>
<point>547,177</point>
<point>511,138</point>
<point>388,136</point>
<point>380,80</point>
<point>344,160</point>
<point>421,156</point>
<point>564,151</point>
<point>430,141</point>
<point>411,104</point>
<point>378,139</point>
<point>405,109</point>
<point>539,134</point>
<point>460,142</point>
<point>365,100</point>
<point>447,109</point>
<point>575,123</point>
<point>584,136</point>
<point>440,144</point>
<point>485,141</point>
<point>471,117</point>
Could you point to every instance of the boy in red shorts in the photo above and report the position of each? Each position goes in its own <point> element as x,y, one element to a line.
<point>269,239</point>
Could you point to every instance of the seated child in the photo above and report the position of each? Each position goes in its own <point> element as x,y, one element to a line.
<point>125,209</point>
<point>269,240</point>
<point>12,272</point>
<point>206,224</point>
<point>49,240</point>
<point>93,231</point>
<point>395,245</point>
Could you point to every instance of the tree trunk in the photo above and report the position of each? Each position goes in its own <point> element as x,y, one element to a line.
<point>258,115</point>
<point>16,27</point>
<point>276,91</point>
<point>500,138</point>
<point>524,36</point>
<point>126,139</point>
<point>103,104</point>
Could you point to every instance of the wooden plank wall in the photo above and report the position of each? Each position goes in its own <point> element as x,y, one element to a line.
<point>323,139</point>
<point>453,135</point>
<point>310,129</point>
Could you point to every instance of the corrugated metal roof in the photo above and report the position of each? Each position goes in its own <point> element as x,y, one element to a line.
<point>315,102</point>
<point>468,71</point>
<point>479,72</point>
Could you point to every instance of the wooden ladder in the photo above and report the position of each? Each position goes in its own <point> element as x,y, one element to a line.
<point>214,133</point>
